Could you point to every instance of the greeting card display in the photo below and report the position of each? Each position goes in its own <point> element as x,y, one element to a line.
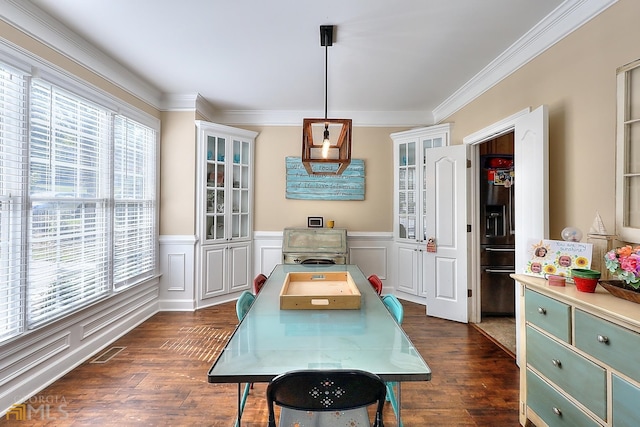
<point>556,257</point>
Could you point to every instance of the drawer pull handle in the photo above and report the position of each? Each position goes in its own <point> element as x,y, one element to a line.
<point>542,310</point>
<point>556,363</point>
<point>557,411</point>
<point>603,339</point>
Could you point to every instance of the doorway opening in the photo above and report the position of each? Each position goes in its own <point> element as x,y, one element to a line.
<point>531,144</point>
<point>496,183</point>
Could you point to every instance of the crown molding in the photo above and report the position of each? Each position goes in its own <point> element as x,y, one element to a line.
<point>565,19</point>
<point>569,16</point>
<point>294,118</point>
<point>34,22</point>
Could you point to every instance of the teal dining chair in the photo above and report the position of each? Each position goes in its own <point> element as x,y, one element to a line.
<point>243,304</point>
<point>394,305</point>
<point>396,309</point>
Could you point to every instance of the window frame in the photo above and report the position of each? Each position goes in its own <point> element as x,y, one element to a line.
<point>624,94</point>
<point>32,67</point>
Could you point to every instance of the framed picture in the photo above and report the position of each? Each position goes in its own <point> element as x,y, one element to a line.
<point>315,222</point>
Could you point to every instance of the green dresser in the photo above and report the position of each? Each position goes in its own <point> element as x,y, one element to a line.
<point>579,357</point>
<point>553,406</point>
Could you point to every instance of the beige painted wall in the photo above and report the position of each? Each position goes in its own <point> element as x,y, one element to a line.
<point>178,173</point>
<point>273,211</point>
<point>576,79</point>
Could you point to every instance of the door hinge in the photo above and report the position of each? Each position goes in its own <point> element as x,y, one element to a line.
<point>468,228</point>
<point>469,293</point>
<point>468,163</point>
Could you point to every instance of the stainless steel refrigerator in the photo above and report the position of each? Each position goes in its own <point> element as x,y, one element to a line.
<point>497,257</point>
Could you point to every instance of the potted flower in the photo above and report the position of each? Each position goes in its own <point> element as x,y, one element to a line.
<point>624,263</point>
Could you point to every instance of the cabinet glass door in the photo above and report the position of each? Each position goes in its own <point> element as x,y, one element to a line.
<point>240,189</point>
<point>215,208</point>
<point>407,190</point>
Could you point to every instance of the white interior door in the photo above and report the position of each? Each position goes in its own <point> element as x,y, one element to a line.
<point>531,146</point>
<point>531,153</point>
<point>446,268</point>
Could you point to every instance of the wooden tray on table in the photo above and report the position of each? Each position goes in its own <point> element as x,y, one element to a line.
<point>319,291</point>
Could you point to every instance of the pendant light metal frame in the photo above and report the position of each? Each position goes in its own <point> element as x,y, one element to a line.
<point>340,148</point>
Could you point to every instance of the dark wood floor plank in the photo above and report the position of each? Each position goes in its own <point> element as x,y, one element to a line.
<point>159,379</point>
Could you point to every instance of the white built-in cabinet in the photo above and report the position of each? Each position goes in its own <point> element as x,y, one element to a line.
<point>410,207</point>
<point>224,210</point>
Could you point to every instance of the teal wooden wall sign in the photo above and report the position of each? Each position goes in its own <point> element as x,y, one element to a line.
<point>302,186</point>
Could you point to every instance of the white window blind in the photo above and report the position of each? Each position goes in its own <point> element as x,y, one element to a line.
<point>69,187</point>
<point>135,202</point>
<point>13,152</point>
<point>78,209</point>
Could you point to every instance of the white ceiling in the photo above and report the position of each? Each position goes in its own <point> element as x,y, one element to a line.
<point>389,57</point>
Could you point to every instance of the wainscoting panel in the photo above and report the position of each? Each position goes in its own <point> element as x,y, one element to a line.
<point>138,299</point>
<point>20,359</point>
<point>370,260</point>
<point>177,273</point>
<point>31,362</point>
<point>267,251</point>
<point>177,265</point>
<point>371,253</point>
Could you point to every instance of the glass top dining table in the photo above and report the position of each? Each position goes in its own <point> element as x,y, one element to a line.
<point>270,341</point>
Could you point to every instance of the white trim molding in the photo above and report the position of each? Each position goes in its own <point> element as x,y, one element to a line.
<point>496,129</point>
<point>52,33</point>
<point>177,265</point>
<point>569,16</point>
<point>565,19</point>
<point>38,358</point>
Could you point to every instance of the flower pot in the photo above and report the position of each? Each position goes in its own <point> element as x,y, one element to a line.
<point>618,288</point>
<point>585,273</point>
<point>585,284</point>
<point>585,279</point>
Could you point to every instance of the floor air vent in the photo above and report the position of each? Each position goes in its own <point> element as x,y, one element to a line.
<point>108,355</point>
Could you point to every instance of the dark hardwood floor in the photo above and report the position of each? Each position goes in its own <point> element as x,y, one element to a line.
<point>159,378</point>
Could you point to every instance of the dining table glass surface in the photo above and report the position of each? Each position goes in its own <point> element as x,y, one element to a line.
<point>270,341</point>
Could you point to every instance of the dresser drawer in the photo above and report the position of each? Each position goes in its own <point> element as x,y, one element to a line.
<point>552,406</point>
<point>626,396</point>
<point>548,314</point>
<point>612,344</point>
<point>576,375</point>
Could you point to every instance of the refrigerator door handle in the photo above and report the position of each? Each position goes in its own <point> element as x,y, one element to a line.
<point>500,249</point>
<point>492,270</point>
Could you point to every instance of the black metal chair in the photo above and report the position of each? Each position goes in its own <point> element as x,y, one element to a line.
<point>331,398</point>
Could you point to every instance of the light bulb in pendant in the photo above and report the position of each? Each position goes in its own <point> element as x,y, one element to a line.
<point>325,142</point>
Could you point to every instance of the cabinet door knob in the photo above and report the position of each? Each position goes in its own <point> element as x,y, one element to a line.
<point>603,339</point>
<point>542,310</point>
<point>556,363</point>
<point>557,411</point>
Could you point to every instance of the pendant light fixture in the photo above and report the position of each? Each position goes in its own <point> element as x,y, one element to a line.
<point>332,154</point>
